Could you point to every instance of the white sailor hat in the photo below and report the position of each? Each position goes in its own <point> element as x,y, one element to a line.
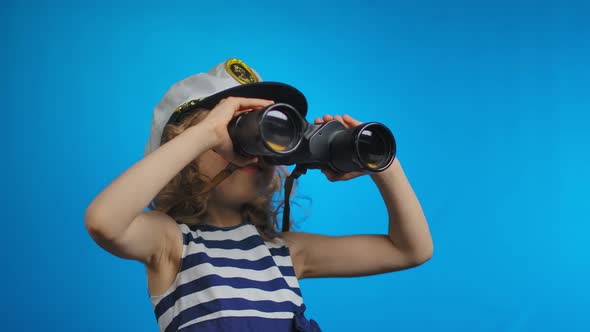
<point>232,78</point>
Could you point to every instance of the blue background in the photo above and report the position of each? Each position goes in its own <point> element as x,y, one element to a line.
<point>489,102</point>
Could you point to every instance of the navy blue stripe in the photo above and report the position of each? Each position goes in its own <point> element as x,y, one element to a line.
<point>201,257</point>
<point>245,244</point>
<point>287,271</point>
<point>206,308</point>
<point>296,290</point>
<point>211,280</point>
<point>209,228</point>
<point>282,251</point>
<point>258,324</point>
<point>188,237</point>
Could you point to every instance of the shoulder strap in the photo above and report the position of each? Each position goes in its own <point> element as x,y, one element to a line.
<point>227,171</point>
<point>297,172</point>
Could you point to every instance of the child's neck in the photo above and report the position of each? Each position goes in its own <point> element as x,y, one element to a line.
<point>223,216</point>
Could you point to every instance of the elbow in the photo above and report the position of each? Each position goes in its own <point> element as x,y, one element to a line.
<point>425,257</point>
<point>94,225</point>
<point>421,256</point>
<point>90,220</point>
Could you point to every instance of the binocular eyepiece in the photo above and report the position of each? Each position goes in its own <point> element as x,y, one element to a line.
<point>279,135</point>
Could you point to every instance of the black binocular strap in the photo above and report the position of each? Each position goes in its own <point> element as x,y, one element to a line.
<point>297,172</point>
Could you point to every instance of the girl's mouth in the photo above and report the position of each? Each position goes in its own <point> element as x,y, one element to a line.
<point>250,169</point>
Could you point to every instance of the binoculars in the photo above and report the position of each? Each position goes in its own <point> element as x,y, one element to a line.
<point>279,135</point>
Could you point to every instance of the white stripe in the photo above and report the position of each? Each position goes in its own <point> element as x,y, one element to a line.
<point>236,234</point>
<point>225,292</point>
<point>292,282</point>
<point>205,269</point>
<point>283,260</point>
<point>240,313</point>
<point>253,254</point>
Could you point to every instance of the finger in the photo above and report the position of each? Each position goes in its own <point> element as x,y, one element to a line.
<point>328,176</point>
<point>329,173</point>
<point>318,121</point>
<point>350,120</point>
<point>245,110</point>
<point>240,103</point>
<point>327,117</point>
<point>246,101</point>
<point>338,118</point>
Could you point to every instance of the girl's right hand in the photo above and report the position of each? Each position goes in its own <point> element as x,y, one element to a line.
<point>218,119</point>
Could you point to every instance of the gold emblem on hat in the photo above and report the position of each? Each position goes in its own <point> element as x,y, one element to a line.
<point>240,71</point>
<point>189,104</point>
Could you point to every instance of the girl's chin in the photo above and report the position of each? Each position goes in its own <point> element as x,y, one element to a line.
<point>234,198</point>
<point>249,169</point>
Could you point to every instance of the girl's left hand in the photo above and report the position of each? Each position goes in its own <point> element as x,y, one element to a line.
<point>348,122</point>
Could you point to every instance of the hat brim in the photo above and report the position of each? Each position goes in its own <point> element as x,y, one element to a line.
<point>278,92</point>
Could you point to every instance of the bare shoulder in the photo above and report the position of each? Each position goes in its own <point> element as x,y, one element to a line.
<point>152,238</point>
<point>162,270</point>
<point>160,218</point>
<point>171,246</point>
<point>293,240</point>
<point>299,242</point>
<point>296,242</point>
<point>148,238</point>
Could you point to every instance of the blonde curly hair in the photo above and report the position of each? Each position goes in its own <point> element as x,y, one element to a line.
<point>180,197</point>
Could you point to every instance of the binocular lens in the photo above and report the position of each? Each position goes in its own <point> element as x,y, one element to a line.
<point>282,136</point>
<point>279,131</point>
<point>369,147</point>
<point>372,147</point>
<point>274,130</point>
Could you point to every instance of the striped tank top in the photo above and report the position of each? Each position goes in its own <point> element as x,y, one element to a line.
<point>230,279</point>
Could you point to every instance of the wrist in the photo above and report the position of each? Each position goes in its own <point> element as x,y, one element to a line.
<point>391,168</point>
<point>206,134</point>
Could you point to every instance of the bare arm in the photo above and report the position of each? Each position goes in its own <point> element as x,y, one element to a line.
<point>119,206</point>
<point>115,218</point>
<point>408,228</point>
<point>407,244</point>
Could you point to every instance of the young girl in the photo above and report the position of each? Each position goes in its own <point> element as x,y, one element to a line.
<point>210,242</point>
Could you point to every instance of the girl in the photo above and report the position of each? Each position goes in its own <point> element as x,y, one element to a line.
<point>210,242</point>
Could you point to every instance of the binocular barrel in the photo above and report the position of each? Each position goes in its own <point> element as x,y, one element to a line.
<point>281,136</point>
<point>366,147</point>
<point>266,132</point>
